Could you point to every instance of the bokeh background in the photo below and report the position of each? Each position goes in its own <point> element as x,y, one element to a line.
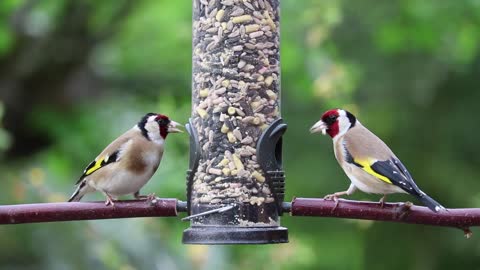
<point>74,74</point>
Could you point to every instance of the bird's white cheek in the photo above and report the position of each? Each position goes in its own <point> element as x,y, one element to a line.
<point>343,125</point>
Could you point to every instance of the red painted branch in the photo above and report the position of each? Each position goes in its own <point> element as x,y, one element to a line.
<point>49,212</point>
<point>396,212</point>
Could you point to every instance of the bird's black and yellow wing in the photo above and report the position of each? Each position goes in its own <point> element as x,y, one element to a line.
<point>390,171</point>
<point>99,163</point>
<point>368,152</point>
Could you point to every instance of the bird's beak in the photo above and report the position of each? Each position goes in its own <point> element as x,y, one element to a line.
<point>320,126</point>
<point>173,127</point>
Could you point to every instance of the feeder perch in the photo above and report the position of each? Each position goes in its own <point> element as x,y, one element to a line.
<point>235,182</point>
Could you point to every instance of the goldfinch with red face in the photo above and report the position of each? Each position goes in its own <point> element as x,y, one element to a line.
<point>127,163</point>
<point>371,166</point>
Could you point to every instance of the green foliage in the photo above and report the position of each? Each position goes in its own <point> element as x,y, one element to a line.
<point>4,137</point>
<point>5,40</point>
<point>408,69</point>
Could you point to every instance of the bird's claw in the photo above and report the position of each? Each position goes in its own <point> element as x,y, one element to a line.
<point>152,198</point>
<point>331,197</point>
<point>382,201</point>
<point>404,210</point>
<point>109,201</point>
<point>467,232</point>
<point>149,197</point>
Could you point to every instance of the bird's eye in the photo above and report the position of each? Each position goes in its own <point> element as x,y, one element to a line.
<point>330,119</point>
<point>162,122</point>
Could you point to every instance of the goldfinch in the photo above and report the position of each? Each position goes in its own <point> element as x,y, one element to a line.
<point>127,163</point>
<point>371,166</point>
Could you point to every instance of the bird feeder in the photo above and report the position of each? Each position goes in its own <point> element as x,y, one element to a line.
<point>235,182</point>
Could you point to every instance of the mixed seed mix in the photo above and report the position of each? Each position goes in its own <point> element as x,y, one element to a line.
<point>236,88</point>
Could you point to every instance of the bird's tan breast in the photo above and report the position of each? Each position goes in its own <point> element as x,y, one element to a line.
<point>139,160</point>
<point>144,156</point>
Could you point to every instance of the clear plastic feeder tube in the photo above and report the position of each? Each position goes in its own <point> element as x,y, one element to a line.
<point>235,100</point>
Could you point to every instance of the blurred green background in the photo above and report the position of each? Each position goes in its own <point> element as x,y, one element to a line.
<point>74,74</point>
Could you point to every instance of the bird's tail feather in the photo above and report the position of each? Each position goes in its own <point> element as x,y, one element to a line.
<point>79,192</point>
<point>430,203</point>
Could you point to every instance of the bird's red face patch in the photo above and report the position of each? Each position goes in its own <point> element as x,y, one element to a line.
<point>330,119</point>
<point>163,122</point>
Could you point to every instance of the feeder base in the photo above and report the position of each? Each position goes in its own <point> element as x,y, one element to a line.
<point>219,235</point>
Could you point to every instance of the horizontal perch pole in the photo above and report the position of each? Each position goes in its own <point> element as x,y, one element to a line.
<point>49,212</point>
<point>395,212</point>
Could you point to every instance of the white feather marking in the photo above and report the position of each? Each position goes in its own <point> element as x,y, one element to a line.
<point>343,123</point>
<point>153,130</point>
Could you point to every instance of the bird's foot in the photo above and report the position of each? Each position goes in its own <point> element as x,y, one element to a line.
<point>331,197</point>
<point>144,197</point>
<point>404,210</point>
<point>150,197</point>
<point>109,200</point>
<point>467,232</point>
<point>382,200</point>
<point>334,197</point>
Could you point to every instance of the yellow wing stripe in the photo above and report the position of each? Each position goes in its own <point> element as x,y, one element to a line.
<point>366,167</point>
<point>98,165</point>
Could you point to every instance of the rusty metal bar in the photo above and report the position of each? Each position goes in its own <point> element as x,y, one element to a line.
<point>50,212</point>
<point>394,212</point>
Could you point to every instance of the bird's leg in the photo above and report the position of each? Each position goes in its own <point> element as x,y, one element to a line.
<point>109,200</point>
<point>382,200</point>
<point>138,196</point>
<point>149,197</point>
